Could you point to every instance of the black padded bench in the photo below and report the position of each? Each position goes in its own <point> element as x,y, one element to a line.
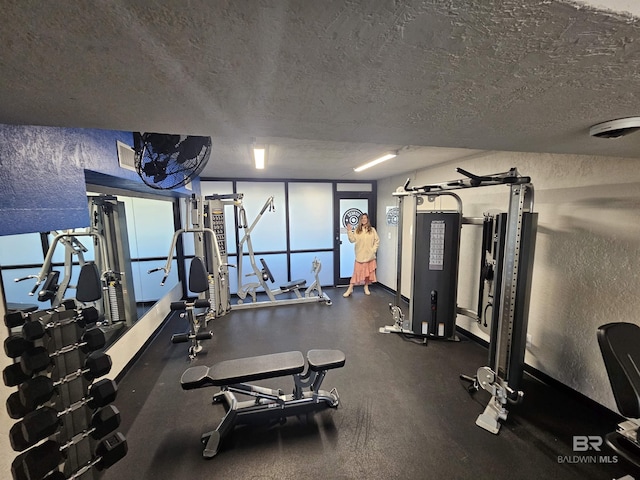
<point>620,347</point>
<point>233,377</point>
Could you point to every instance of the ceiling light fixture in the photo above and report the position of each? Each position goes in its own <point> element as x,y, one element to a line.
<point>615,128</point>
<point>260,156</point>
<point>375,162</point>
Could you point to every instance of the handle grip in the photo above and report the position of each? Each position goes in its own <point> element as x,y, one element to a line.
<point>24,278</point>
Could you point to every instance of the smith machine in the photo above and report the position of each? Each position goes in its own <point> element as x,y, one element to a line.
<point>506,264</point>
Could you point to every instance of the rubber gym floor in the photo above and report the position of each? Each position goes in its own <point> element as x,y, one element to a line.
<point>404,413</point>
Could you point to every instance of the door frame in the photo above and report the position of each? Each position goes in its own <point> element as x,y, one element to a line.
<point>371,196</point>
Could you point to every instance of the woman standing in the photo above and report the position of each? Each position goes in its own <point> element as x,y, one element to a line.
<point>366,242</point>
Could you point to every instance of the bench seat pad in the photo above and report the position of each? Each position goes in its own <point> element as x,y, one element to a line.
<point>325,359</point>
<point>241,370</point>
<point>293,284</point>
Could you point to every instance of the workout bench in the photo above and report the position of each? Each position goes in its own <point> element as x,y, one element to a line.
<point>619,342</point>
<point>232,376</point>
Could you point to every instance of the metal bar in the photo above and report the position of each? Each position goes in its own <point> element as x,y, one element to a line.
<point>399,255</point>
<point>517,206</point>
<point>505,178</point>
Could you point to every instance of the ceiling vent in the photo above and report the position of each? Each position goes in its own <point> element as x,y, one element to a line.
<point>126,156</point>
<point>615,128</point>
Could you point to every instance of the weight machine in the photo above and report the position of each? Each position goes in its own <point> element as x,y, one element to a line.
<point>207,220</point>
<point>313,292</point>
<point>506,268</point>
<point>108,219</point>
<point>211,288</point>
<point>108,232</point>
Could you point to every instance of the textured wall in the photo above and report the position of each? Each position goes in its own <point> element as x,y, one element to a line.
<point>587,263</point>
<point>42,175</point>
<point>43,172</point>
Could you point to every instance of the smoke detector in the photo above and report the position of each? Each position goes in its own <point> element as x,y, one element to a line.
<point>615,128</point>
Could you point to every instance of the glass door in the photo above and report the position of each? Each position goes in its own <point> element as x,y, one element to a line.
<point>350,206</point>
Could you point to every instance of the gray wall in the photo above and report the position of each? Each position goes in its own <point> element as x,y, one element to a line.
<point>587,262</point>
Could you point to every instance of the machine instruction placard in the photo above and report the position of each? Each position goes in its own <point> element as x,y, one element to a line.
<point>436,245</point>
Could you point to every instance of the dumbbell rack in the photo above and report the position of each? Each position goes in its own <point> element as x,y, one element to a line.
<point>64,328</point>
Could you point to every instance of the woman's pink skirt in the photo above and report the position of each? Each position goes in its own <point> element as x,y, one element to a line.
<point>364,273</point>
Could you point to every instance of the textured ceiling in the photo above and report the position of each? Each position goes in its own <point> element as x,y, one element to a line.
<point>329,84</point>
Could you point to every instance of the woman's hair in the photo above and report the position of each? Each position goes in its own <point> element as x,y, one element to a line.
<point>367,227</point>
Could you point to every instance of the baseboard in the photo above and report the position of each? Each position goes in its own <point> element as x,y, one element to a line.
<point>142,349</point>
<point>552,382</point>
<point>391,290</point>
<point>535,373</point>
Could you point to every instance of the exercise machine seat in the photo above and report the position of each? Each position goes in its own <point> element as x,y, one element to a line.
<point>89,287</point>
<point>320,360</point>
<point>620,346</point>
<point>198,276</point>
<point>293,284</point>
<point>229,372</point>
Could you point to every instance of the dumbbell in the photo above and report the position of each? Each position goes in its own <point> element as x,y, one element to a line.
<point>46,421</point>
<point>15,319</point>
<point>37,390</point>
<point>41,460</point>
<point>12,375</point>
<point>38,358</point>
<point>36,329</point>
<point>40,389</point>
<point>15,374</point>
<point>100,393</point>
<point>16,345</point>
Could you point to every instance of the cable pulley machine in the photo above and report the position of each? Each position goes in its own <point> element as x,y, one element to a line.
<point>506,269</point>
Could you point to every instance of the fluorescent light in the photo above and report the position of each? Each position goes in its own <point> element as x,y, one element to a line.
<point>259,154</point>
<point>375,162</point>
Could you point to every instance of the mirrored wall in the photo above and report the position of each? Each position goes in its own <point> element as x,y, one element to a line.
<point>128,237</point>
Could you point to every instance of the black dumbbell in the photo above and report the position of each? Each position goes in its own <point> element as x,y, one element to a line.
<point>46,421</point>
<point>41,388</point>
<point>16,345</point>
<point>100,393</point>
<point>38,358</point>
<point>15,408</point>
<point>36,329</point>
<point>12,375</point>
<point>43,459</point>
<point>15,319</point>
